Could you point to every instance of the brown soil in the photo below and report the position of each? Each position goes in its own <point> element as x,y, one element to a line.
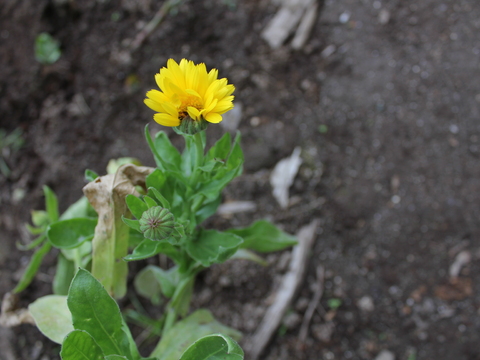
<point>397,167</point>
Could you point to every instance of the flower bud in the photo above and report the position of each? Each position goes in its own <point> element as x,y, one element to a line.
<point>157,223</point>
<point>190,126</point>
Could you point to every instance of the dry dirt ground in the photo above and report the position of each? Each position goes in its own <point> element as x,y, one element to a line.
<point>384,100</point>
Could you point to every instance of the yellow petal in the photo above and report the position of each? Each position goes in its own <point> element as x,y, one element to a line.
<point>213,118</point>
<point>154,105</point>
<point>193,112</point>
<point>157,96</point>
<point>166,120</point>
<point>170,109</point>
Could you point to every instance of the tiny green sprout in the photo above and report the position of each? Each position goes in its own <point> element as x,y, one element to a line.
<point>47,49</point>
<point>10,143</point>
<point>334,303</point>
<point>322,129</point>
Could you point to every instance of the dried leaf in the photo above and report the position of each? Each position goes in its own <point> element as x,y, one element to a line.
<point>283,175</point>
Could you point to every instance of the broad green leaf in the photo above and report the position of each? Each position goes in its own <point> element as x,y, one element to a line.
<point>94,311</point>
<point>153,281</point>
<point>63,275</point>
<point>80,345</point>
<point>79,209</point>
<point>166,155</point>
<point>198,324</point>
<point>136,206</point>
<point>148,248</point>
<point>115,357</point>
<point>263,236</point>
<point>51,203</point>
<point>213,246</point>
<point>156,179</point>
<point>32,267</point>
<point>214,347</point>
<point>68,234</point>
<point>52,316</point>
<point>220,149</point>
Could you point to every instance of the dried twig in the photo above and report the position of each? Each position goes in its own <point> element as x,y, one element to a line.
<point>153,24</point>
<point>290,284</point>
<point>312,306</point>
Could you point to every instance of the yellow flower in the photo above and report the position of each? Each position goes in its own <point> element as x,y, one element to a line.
<point>187,90</point>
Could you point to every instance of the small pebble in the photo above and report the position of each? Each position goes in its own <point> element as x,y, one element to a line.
<point>385,355</point>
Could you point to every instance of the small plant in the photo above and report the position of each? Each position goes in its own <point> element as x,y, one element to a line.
<point>150,211</point>
<point>10,143</point>
<point>47,49</point>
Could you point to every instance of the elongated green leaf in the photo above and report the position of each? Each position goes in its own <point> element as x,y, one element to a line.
<point>136,206</point>
<point>249,255</point>
<point>95,312</point>
<point>182,296</point>
<point>208,210</point>
<point>149,201</point>
<point>214,347</point>
<point>52,316</point>
<point>156,179</point>
<point>34,243</point>
<point>80,345</point>
<point>115,357</point>
<point>148,248</point>
<point>198,324</point>
<point>213,246</point>
<point>164,202</point>
<point>51,203</point>
<point>32,267</point>
<point>90,175</point>
<point>133,224</point>
<point>68,234</point>
<point>63,275</point>
<point>166,155</point>
<point>263,236</point>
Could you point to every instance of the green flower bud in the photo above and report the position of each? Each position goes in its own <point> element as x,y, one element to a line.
<point>157,223</point>
<point>190,126</point>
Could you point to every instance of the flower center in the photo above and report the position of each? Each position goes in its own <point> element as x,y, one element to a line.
<point>185,102</point>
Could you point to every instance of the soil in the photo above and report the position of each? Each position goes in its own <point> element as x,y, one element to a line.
<point>384,100</point>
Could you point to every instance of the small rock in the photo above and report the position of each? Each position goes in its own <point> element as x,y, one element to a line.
<point>385,355</point>
<point>323,332</point>
<point>366,304</point>
<point>292,320</point>
<point>384,16</point>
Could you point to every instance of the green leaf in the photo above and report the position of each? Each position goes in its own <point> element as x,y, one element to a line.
<point>148,248</point>
<point>153,281</point>
<point>51,203</point>
<point>90,175</point>
<point>79,209</point>
<point>47,49</point>
<point>263,236</point>
<point>198,324</point>
<point>34,243</point>
<point>134,224</point>
<point>40,218</point>
<point>213,246</point>
<point>166,155</point>
<point>182,296</point>
<point>214,347</point>
<point>221,149</point>
<point>115,357</point>
<point>63,275</point>
<point>52,316</point>
<point>71,233</point>
<point>32,267</point>
<point>164,202</point>
<point>208,210</point>
<point>249,255</point>
<point>156,179</point>
<point>80,345</point>
<point>149,201</point>
<point>94,311</point>
<point>136,206</point>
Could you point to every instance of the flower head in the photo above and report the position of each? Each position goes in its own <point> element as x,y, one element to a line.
<point>157,223</point>
<point>188,92</point>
